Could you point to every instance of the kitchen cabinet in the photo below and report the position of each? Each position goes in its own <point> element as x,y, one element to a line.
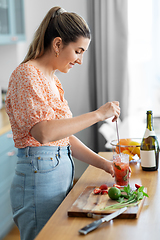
<point>7,167</point>
<point>12,28</point>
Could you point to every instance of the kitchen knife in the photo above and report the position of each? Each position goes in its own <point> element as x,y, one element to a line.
<point>90,227</point>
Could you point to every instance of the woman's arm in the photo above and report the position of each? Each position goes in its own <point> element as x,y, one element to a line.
<point>83,153</point>
<point>53,130</point>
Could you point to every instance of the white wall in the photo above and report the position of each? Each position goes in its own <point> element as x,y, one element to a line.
<point>75,83</point>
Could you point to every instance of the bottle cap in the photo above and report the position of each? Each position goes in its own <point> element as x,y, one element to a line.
<point>149,112</point>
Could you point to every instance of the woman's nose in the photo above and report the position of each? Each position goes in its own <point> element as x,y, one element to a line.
<point>79,60</point>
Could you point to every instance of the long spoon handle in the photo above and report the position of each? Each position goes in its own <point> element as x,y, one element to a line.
<point>118,137</point>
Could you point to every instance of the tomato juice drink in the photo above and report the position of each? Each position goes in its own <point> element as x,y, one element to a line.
<point>121,169</point>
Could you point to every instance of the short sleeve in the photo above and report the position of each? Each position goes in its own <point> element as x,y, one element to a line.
<point>31,92</point>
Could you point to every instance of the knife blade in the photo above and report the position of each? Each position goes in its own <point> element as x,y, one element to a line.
<point>92,226</point>
<point>95,216</point>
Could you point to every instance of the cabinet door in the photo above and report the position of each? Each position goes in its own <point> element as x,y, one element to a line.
<point>19,17</point>
<point>12,27</point>
<point>6,219</point>
<point>4,17</point>
<point>6,143</point>
<point>5,30</point>
<point>7,165</point>
<point>8,160</point>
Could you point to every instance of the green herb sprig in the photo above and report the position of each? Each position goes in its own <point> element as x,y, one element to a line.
<point>128,198</point>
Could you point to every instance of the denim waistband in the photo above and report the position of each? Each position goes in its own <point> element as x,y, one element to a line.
<point>31,151</point>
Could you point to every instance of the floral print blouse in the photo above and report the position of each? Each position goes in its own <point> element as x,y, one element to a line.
<point>30,99</point>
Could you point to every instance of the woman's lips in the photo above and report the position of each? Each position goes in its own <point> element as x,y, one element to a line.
<point>71,65</point>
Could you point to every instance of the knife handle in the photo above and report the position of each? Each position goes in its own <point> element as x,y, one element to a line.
<point>90,227</point>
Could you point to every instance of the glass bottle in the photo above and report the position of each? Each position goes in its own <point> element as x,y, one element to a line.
<point>149,150</point>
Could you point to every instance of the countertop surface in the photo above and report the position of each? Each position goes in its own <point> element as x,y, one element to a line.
<point>4,122</point>
<point>146,226</point>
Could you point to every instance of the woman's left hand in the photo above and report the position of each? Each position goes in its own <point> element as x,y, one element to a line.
<point>109,168</point>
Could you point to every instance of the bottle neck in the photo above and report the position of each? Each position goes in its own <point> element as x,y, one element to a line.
<point>150,122</point>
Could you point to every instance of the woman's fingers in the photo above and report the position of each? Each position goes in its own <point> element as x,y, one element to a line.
<point>110,109</point>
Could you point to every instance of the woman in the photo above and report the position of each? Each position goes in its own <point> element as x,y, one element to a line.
<point>42,123</point>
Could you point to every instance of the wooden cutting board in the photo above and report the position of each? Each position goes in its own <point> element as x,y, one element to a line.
<point>88,202</point>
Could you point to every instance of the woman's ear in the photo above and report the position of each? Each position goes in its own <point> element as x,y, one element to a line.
<point>57,44</point>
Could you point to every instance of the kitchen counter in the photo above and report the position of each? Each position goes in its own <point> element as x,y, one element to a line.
<point>4,122</point>
<point>60,226</point>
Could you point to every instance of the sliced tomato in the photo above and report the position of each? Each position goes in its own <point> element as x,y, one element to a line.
<point>137,185</point>
<point>116,185</point>
<point>97,190</point>
<point>103,187</point>
<point>104,192</point>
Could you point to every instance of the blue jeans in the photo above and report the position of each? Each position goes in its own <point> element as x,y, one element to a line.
<point>43,178</point>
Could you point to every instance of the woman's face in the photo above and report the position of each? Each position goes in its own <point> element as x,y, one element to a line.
<point>71,54</point>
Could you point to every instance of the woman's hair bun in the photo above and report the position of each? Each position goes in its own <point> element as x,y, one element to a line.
<point>58,12</point>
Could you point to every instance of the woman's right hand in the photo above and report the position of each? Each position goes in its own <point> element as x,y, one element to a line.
<point>110,109</point>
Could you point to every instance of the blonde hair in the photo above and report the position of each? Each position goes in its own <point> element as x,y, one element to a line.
<point>57,23</point>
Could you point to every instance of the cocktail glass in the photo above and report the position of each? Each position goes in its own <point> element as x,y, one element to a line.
<point>121,169</point>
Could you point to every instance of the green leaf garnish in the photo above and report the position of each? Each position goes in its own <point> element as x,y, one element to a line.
<point>117,166</point>
<point>130,198</point>
<point>126,176</point>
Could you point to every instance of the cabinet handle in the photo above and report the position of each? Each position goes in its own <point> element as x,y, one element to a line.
<point>11,153</point>
<point>14,38</point>
<point>9,135</point>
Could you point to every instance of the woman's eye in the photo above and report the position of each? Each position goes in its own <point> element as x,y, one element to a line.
<point>78,52</point>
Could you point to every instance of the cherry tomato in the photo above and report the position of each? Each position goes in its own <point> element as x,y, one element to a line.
<point>117,186</point>
<point>137,185</point>
<point>103,187</point>
<point>104,192</point>
<point>97,190</point>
